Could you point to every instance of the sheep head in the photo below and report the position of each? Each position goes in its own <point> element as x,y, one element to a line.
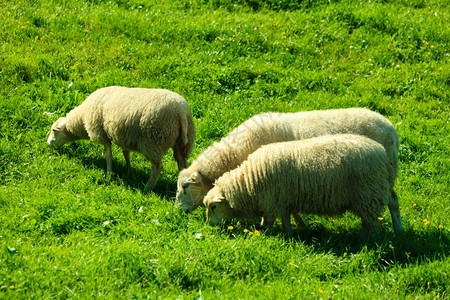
<point>191,189</point>
<point>58,134</point>
<point>217,207</point>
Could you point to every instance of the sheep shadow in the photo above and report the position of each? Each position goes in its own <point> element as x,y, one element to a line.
<point>427,244</point>
<point>134,180</point>
<point>409,246</point>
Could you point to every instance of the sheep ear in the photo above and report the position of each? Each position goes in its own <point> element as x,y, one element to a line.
<point>219,199</point>
<point>61,125</point>
<point>194,178</point>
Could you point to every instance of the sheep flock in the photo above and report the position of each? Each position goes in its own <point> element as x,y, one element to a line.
<point>273,165</point>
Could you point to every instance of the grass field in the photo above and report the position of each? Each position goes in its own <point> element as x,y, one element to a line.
<point>66,231</point>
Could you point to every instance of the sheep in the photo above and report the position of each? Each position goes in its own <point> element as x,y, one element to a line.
<point>195,181</point>
<point>149,121</point>
<point>326,175</point>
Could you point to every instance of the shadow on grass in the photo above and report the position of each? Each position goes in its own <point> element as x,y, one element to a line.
<point>405,248</point>
<point>410,246</point>
<point>135,179</point>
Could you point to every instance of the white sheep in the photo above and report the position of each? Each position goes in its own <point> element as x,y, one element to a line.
<point>195,181</point>
<point>326,175</point>
<point>149,121</point>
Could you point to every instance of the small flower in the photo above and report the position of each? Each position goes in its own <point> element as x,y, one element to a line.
<point>320,291</point>
<point>287,49</point>
<point>414,205</point>
<point>11,287</point>
<point>230,227</point>
<point>250,233</point>
<point>440,226</point>
<point>426,222</point>
<point>432,46</point>
<point>440,68</point>
<point>380,218</point>
<point>423,41</point>
<point>245,230</point>
<point>22,27</point>
<point>257,233</point>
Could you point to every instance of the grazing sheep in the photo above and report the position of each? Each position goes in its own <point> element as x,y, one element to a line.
<point>195,181</point>
<point>326,175</point>
<point>149,121</point>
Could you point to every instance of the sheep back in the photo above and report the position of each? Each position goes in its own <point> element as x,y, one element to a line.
<point>266,128</point>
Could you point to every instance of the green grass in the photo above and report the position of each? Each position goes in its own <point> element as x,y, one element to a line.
<point>68,232</point>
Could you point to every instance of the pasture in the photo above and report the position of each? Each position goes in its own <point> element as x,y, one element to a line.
<point>66,231</point>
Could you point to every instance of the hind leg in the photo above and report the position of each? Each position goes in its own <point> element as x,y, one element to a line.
<point>394,209</point>
<point>179,157</point>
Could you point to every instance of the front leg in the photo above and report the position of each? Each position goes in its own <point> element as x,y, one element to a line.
<point>126,154</point>
<point>156,169</point>
<point>108,154</point>
<point>286,222</point>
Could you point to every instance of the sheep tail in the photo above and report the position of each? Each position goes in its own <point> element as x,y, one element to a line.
<point>184,128</point>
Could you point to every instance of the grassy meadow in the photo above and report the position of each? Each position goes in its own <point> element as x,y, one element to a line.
<point>68,232</point>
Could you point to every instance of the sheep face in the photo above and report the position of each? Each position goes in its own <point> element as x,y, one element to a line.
<point>191,190</point>
<point>58,135</point>
<point>217,208</point>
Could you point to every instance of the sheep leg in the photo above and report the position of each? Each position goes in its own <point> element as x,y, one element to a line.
<point>267,222</point>
<point>126,154</point>
<point>394,209</point>
<point>179,157</point>
<point>370,227</point>
<point>286,222</point>
<point>108,154</point>
<point>298,220</point>
<point>156,169</point>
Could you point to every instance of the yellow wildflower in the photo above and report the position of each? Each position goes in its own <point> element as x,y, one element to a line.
<point>256,233</point>
<point>414,205</point>
<point>320,291</point>
<point>380,218</point>
<point>245,230</point>
<point>432,46</point>
<point>440,226</point>
<point>250,233</point>
<point>230,227</point>
<point>11,287</point>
